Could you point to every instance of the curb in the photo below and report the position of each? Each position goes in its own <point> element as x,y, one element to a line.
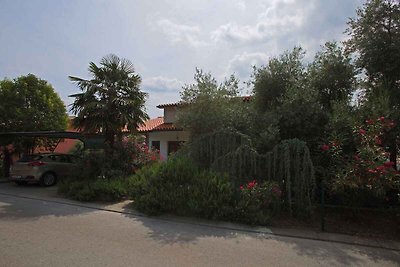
<point>221,225</point>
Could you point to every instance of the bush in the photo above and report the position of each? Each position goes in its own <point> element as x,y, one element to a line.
<point>179,187</point>
<point>258,202</point>
<point>99,190</point>
<point>368,178</point>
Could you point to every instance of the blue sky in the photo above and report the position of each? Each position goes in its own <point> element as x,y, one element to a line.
<point>166,40</point>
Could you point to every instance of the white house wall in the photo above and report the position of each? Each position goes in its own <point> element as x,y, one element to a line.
<point>164,137</point>
<point>169,114</point>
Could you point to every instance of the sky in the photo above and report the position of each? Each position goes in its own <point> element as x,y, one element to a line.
<point>165,40</point>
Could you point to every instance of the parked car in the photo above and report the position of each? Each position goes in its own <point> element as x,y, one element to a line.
<point>42,168</point>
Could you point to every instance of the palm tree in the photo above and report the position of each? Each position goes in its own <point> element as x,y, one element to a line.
<point>111,100</point>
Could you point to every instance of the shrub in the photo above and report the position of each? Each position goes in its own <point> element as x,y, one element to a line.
<point>258,202</point>
<point>368,177</point>
<point>179,187</point>
<point>99,190</point>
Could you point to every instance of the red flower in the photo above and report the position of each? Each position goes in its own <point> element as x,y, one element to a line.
<point>241,187</point>
<point>382,118</point>
<point>250,185</point>
<point>380,167</point>
<point>390,124</point>
<point>372,171</point>
<point>325,148</point>
<point>378,141</point>
<point>388,164</point>
<point>370,121</point>
<point>362,131</point>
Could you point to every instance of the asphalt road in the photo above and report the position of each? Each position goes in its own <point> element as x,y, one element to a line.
<point>44,233</point>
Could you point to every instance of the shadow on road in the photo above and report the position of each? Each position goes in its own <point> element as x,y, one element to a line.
<point>28,202</point>
<point>169,232</point>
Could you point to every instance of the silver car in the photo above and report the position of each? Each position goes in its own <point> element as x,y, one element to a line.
<point>42,168</point>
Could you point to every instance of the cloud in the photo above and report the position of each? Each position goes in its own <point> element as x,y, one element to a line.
<point>180,33</point>
<point>241,64</point>
<point>279,18</point>
<point>161,90</point>
<point>241,5</point>
<point>161,84</point>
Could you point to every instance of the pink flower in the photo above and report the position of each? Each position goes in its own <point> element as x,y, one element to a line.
<point>388,164</point>
<point>252,184</point>
<point>325,147</point>
<point>378,141</point>
<point>380,167</point>
<point>241,187</point>
<point>370,121</point>
<point>362,131</point>
<point>382,118</point>
<point>372,171</point>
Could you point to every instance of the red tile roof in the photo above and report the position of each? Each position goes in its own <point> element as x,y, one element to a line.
<point>167,127</point>
<point>171,105</point>
<point>150,124</point>
<point>157,124</point>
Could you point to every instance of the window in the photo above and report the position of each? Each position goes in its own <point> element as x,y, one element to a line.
<point>155,145</point>
<point>173,146</point>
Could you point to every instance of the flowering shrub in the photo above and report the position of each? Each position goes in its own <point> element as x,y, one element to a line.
<point>258,202</point>
<point>369,169</point>
<point>144,155</point>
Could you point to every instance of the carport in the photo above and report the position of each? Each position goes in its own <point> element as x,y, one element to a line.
<point>90,141</point>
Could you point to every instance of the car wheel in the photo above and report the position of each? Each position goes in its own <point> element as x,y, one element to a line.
<point>48,179</point>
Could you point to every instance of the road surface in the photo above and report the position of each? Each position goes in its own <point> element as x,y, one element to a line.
<point>45,233</point>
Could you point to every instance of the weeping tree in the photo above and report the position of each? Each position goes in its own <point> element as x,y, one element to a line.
<point>289,164</point>
<point>111,100</point>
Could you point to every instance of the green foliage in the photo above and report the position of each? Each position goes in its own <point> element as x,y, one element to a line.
<point>28,103</point>
<point>332,75</point>
<point>369,173</point>
<point>178,186</point>
<point>98,190</point>
<point>211,106</point>
<point>289,164</point>
<point>375,39</point>
<point>258,202</point>
<point>111,100</point>
<point>206,149</point>
<point>272,81</point>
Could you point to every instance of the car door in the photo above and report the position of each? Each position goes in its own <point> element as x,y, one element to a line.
<point>60,165</point>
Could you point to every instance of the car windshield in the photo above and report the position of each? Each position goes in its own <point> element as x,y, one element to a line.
<point>29,158</point>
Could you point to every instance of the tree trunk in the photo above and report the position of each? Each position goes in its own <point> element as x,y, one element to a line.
<point>6,162</point>
<point>393,153</point>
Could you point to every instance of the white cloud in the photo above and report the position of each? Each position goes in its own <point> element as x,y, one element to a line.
<point>240,5</point>
<point>161,90</point>
<point>162,84</point>
<point>279,18</point>
<point>241,64</point>
<point>180,33</point>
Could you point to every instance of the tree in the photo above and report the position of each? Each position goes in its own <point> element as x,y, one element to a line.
<point>111,100</point>
<point>273,80</point>
<point>375,40</point>
<point>28,103</point>
<point>332,75</point>
<point>210,106</point>
<point>286,105</point>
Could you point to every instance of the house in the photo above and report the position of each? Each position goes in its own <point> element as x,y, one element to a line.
<point>162,133</point>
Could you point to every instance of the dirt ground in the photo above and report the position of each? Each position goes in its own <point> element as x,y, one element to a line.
<point>362,223</point>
